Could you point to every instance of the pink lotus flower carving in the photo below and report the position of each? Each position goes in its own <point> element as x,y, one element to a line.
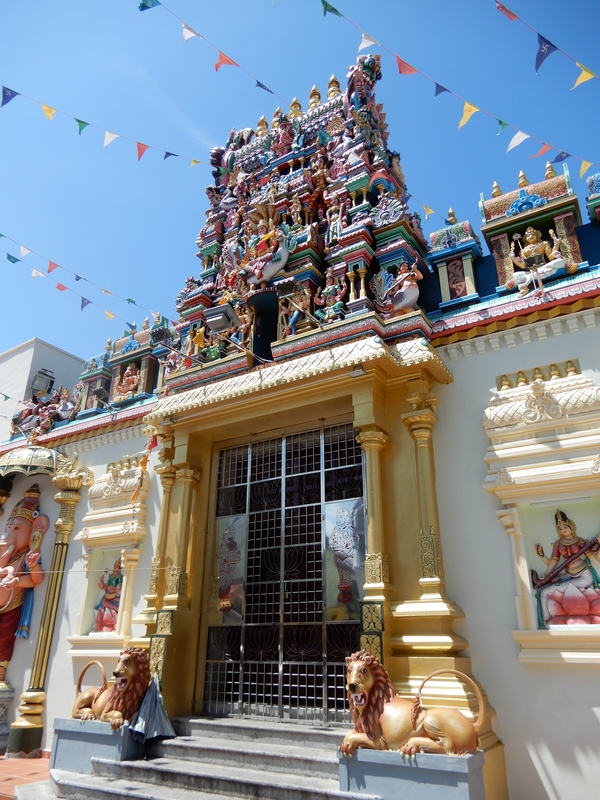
<point>569,605</point>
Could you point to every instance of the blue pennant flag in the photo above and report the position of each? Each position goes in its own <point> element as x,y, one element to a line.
<point>260,85</point>
<point>439,89</point>
<point>12,259</point>
<point>146,4</point>
<point>7,95</point>
<point>168,155</point>
<point>130,326</point>
<point>407,196</point>
<point>79,278</point>
<point>561,157</point>
<point>84,303</point>
<point>545,49</point>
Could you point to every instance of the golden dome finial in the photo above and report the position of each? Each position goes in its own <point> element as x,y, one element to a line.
<point>262,126</point>
<point>333,88</point>
<point>496,190</point>
<point>314,98</point>
<point>452,217</point>
<point>295,108</point>
<point>275,120</point>
<point>550,171</point>
<point>523,182</point>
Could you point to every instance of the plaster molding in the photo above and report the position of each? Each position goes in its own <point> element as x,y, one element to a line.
<point>122,434</point>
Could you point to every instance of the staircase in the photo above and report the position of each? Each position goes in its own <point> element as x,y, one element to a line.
<point>221,759</point>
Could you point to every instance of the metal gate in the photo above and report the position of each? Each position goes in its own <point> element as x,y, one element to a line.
<point>288,578</point>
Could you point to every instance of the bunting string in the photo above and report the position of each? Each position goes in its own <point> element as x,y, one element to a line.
<point>404,68</point>
<point>223,60</point>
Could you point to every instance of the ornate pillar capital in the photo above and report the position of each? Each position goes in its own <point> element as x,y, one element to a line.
<point>167,476</point>
<point>373,440</point>
<point>420,425</point>
<point>187,475</point>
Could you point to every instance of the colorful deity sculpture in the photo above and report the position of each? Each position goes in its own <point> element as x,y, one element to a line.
<point>331,298</point>
<point>107,610</point>
<point>537,259</point>
<point>342,543</point>
<point>128,385</point>
<point>20,571</point>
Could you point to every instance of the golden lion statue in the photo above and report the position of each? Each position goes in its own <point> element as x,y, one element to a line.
<point>385,721</point>
<point>120,702</point>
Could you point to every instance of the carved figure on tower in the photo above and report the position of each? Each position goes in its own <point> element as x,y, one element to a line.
<point>20,571</point>
<point>128,384</point>
<point>537,259</point>
<point>331,299</point>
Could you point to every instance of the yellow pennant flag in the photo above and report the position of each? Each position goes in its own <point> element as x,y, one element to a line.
<point>585,165</point>
<point>109,315</point>
<point>105,291</point>
<point>428,210</point>
<point>48,112</point>
<point>586,75</point>
<point>468,112</point>
<point>194,162</point>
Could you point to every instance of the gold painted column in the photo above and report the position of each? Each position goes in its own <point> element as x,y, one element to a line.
<point>177,597</point>
<point>26,732</point>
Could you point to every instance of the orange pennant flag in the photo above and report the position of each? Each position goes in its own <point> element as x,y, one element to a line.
<point>141,149</point>
<point>404,68</point>
<point>61,287</point>
<point>224,61</point>
<point>52,266</point>
<point>543,149</point>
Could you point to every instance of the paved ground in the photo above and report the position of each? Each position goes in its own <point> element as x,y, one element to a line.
<point>17,771</point>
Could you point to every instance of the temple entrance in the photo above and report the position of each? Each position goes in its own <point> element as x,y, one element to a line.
<point>290,565</point>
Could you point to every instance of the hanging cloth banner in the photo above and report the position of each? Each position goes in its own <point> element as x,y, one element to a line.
<point>168,155</point>
<point>35,273</point>
<point>366,41</point>
<point>507,12</point>
<point>585,165</point>
<point>502,126</point>
<point>561,157</point>
<point>84,303</point>
<point>517,139</point>
<point>24,251</point>
<point>61,287</point>
<point>260,85</point>
<point>428,211</point>
<point>52,266</point>
<point>545,49</point>
<point>12,259</point>
<point>468,112</point>
<point>146,4</point>
<point>81,124</point>
<point>224,61</point>
<point>586,75</point>
<point>439,89</point>
<point>109,137</point>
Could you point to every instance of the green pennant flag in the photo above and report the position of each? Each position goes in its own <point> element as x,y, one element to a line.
<point>81,124</point>
<point>502,126</point>
<point>332,10</point>
<point>12,259</point>
<point>131,301</point>
<point>6,397</point>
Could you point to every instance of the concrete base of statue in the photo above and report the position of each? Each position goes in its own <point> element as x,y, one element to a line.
<point>75,742</point>
<point>425,776</point>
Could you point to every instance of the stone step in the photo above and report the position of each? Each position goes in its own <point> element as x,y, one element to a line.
<point>265,731</point>
<point>318,762</point>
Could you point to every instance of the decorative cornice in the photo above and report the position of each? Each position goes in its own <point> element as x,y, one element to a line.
<point>101,440</point>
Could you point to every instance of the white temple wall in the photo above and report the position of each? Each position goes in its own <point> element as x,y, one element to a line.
<point>548,714</point>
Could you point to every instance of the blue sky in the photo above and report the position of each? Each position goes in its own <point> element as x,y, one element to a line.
<point>130,227</point>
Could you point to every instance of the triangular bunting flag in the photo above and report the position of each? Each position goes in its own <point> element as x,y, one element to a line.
<point>224,61</point>
<point>84,303</point>
<point>366,41</point>
<point>81,125</point>
<point>507,13</point>
<point>153,443</point>
<point>543,149</point>
<point>24,251</point>
<point>188,33</point>
<point>194,161</point>
<point>105,291</point>
<point>5,396</point>
<point>141,149</point>
<point>260,85</point>
<point>131,302</point>
<point>404,68</point>
<point>439,89</point>
<point>428,211</point>
<point>168,155</point>
<point>586,75</point>
<point>545,49</point>
<point>327,7</point>
<point>48,112</point>
<point>52,266</point>
<point>468,112</point>
<point>585,165</point>
<point>561,157</point>
<point>517,139</point>
<point>79,278</point>
<point>146,4</point>
<point>12,259</point>
<point>110,137</point>
<point>7,95</point>
<point>502,126</point>
<point>61,287</point>
<point>132,327</point>
<point>35,273</point>
<point>109,315</point>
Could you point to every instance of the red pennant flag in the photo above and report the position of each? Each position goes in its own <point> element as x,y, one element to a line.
<point>224,61</point>
<point>543,149</point>
<point>61,288</point>
<point>404,68</point>
<point>506,11</point>
<point>153,442</point>
<point>141,148</point>
<point>52,266</point>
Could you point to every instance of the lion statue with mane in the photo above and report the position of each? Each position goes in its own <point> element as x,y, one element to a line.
<point>118,703</point>
<point>385,721</point>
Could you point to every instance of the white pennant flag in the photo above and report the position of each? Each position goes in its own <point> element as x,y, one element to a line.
<point>24,251</point>
<point>36,273</point>
<point>366,41</point>
<point>188,33</point>
<point>517,139</point>
<point>110,137</point>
